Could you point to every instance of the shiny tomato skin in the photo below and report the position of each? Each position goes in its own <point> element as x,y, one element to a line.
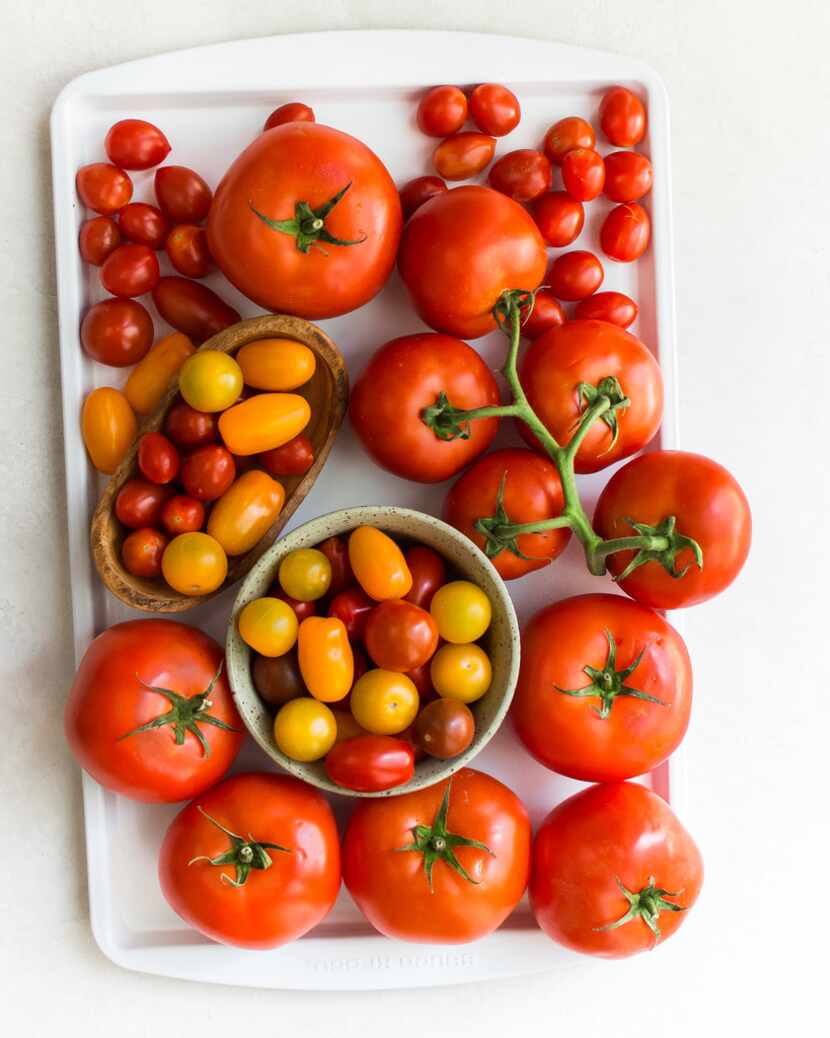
<point>709,506</point>
<point>188,252</point>
<point>444,728</point>
<point>566,733</point>
<point>442,111</point>
<point>559,218</point>
<point>158,459</point>
<point>522,175</point>
<point>276,905</point>
<point>399,635</point>
<point>626,232</point>
<point>429,572</point>
<point>415,192</point>
<point>139,503</point>
<point>463,155</point>
<point>182,514</point>
<point>192,308</point>
<point>391,888</point>
<point>118,332</point>
<point>294,458</point>
<point>136,144</point>
<point>575,275</point>
<point>628,176</point>
<point>293,112</point>
<point>371,763</point>
<point>588,351</point>
<point>532,491</point>
<point>613,307</point>
<point>183,196</point>
<point>98,238</point>
<point>353,607</point>
<point>142,550</point>
<point>547,313</point>
<point>583,174</point>
<point>110,699</point>
<point>617,832</point>
<point>494,109</point>
<point>566,135</point>
<point>622,117</point>
<point>188,427</point>
<point>103,187</point>
<point>208,472</point>
<point>144,224</point>
<point>461,250</point>
<point>336,550</point>
<point>130,270</point>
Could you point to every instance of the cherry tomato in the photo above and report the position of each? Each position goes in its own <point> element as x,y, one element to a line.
<point>182,514</point>
<point>429,571</point>
<point>269,626</point>
<point>523,175</point>
<point>547,313</point>
<point>188,252</point>
<point>613,307</point>
<point>302,609</point>
<point>421,679</point>
<point>305,574</point>
<point>462,611</point>
<point>192,308</point>
<point>131,270</point>
<point>108,427</point>
<point>276,364</point>
<point>371,763</point>
<point>622,117</point>
<point>194,564</point>
<point>384,702</point>
<point>143,224</point>
<point>353,607</point>
<point>445,728</point>
<point>210,381</point>
<point>263,422</point>
<point>208,472</point>
<point>442,111</point>
<point>415,192</point>
<point>103,187</point>
<point>158,459</point>
<point>136,144</point>
<point>277,679</point>
<point>461,672</point>
<point>305,729</point>
<point>97,239</point>
<point>378,564</point>
<point>494,109</point>
<point>463,155</point>
<point>117,332</point>
<point>583,174</point>
<point>400,636</point>
<point>567,135</point>
<point>336,550</point>
<point>326,658</point>
<point>183,196</point>
<point>294,458</point>
<point>246,512</point>
<point>151,377</point>
<point>628,176</point>
<point>559,217</point>
<point>142,550</point>
<point>139,503</point>
<point>575,275</point>
<point>626,232</point>
<point>293,112</point>
<point>188,427</point>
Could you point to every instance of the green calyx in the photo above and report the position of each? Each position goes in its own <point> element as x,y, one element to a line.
<point>444,419</point>
<point>608,683</point>
<point>185,714</point>
<point>606,389</point>
<point>308,227</point>
<point>663,544</point>
<point>436,843</point>
<point>497,530</point>
<point>244,854</point>
<point>646,904</point>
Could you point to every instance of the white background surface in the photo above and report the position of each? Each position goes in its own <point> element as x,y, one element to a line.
<point>750,91</point>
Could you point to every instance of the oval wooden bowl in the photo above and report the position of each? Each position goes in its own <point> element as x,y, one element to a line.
<point>327,393</point>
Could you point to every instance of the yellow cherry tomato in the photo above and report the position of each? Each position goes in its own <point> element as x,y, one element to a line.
<point>151,377</point>
<point>461,672</point>
<point>246,511</point>
<point>384,702</point>
<point>462,612</point>
<point>276,364</point>
<point>347,727</point>
<point>194,564</point>
<point>108,427</point>
<point>326,658</point>
<point>210,380</point>
<point>305,574</point>
<point>304,729</point>
<point>378,564</point>
<point>269,626</point>
<point>263,422</point>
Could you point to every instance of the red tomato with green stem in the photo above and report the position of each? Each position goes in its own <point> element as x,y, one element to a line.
<point>371,763</point>
<point>103,187</point>
<point>294,458</point>
<point>139,503</point>
<point>400,636</point>
<point>117,332</point>
<point>559,218</point>
<point>622,117</point>
<point>613,307</point>
<point>293,112</point>
<point>142,550</point>
<point>183,196</point>
<point>192,308</point>
<point>188,427</point>
<point>158,459</point>
<point>463,155</point>
<point>182,514</point>
<point>136,144</point>
<point>494,109</point>
<point>188,252</point>
<point>547,313</point>
<point>353,607</point>
<point>522,175</point>
<point>429,572</point>
<point>130,270</point>
<point>575,275</point>
<point>626,232</point>
<point>97,239</point>
<point>583,174</point>
<point>144,224</point>
<point>415,192</point>
<point>628,176</point>
<point>208,472</point>
<point>567,135</point>
<point>442,111</point>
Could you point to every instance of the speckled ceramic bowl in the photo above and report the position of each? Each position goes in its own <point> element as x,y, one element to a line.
<point>501,640</point>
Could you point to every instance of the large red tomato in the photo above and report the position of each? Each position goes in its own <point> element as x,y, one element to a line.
<point>563,369</point>
<point>306,221</point>
<point>254,862</point>
<point>403,378</point>
<point>614,871</point>
<point>461,250</point>
<point>442,865</point>
<point>604,690</point>
<point>150,713</point>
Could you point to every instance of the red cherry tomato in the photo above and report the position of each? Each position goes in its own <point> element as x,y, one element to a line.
<point>144,224</point>
<point>371,763</point>
<point>208,472</point>
<point>158,459</point>
<point>566,135</point>
<point>131,270</point>
<point>400,636</point>
<point>626,232</point>
<point>142,550</point>
<point>352,606</point>
<point>628,176</point>
<point>294,458</point>
<point>117,332</point>
<point>463,155</point>
<point>182,514</point>
<point>575,275</point>
<point>442,111</point>
<point>421,678</point>
<point>494,109</point>
<point>97,239</point>
<point>188,252</point>
<point>523,175</point>
<point>583,174</point>
<point>416,192</point>
<point>188,427</point>
<point>183,196</point>
<point>293,112</point>
<point>139,503</point>
<point>547,313</point>
<point>559,218</point>
<point>429,572</point>
<point>103,187</point>
<point>192,308</point>
<point>336,550</point>
<point>301,609</point>
<point>136,144</point>
<point>622,117</point>
<point>613,307</point>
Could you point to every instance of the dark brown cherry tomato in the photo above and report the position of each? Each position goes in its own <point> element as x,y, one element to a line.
<point>131,270</point>
<point>293,112</point>
<point>187,249</point>
<point>583,174</point>
<point>442,111</point>
<point>400,636</point>
<point>188,427</point>
<point>139,503</point>
<point>117,332</point>
<point>547,312</point>
<point>192,308</point>
<point>416,192</point>
<point>628,176</point>
<point>370,763</point>
<point>158,459</point>
<point>429,572</point>
<point>566,135</point>
<point>626,232</point>
<point>301,609</point>
<point>421,678</point>
<point>97,239</point>
<point>445,728</point>
<point>142,550</point>
<point>523,175</point>
<point>613,307</point>
<point>182,514</point>
<point>336,551</point>
<point>183,196</point>
<point>494,109</point>
<point>144,224</point>
<point>103,187</point>
<point>294,458</point>
<point>622,117</point>
<point>575,275</point>
<point>277,678</point>
<point>208,472</point>
<point>559,218</point>
<point>463,155</point>
<point>136,144</point>
<point>352,606</point>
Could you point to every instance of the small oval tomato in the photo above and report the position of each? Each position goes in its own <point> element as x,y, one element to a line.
<point>108,427</point>
<point>461,610</point>
<point>326,658</point>
<point>463,155</point>
<point>277,679</point>
<point>143,224</point>
<point>117,332</point>
<point>246,511</point>
<point>210,380</point>
<point>188,252</point>
<point>559,218</point>
<point>182,514</point>
<point>628,176</point>
<point>188,427</point>
<point>583,174</point>
<point>142,550</point>
<point>442,111</point>
<point>269,626</point>
<point>384,702</point>
<point>429,571</point>
<point>151,377</point>
<point>294,458</point>
<point>547,313</point>
<point>305,574</point>
<point>302,609</point>
<point>208,472</point>
<point>522,175</point>
<point>158,459</point>
<point>378,564</point>
<point>98,237</point>
<point>352,606</point>
<point>613,307</point>
<point>400,636</point>
<point>415,192</point>
<point>263,422</point>
<point>305,729</point>
<point>136,144</point>
<point>370,763</point>
<point>445,728</point>
<point>568,135</point>
<point>575,275</point>
<point>194,564</point>
<point>625,234</point>
<point>336,550</point>
<point>183,196</point>
<point>103,187</point>
<point>622,117</point>
<point>276,364</point>
<point>293,112</point>
<point>192,308</point>
<point>139,503</point>
<point>131,270</point>
<point>494,109</point>
<point>461,672</point>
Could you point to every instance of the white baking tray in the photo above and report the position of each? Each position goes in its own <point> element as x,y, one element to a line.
<point>210,102</point>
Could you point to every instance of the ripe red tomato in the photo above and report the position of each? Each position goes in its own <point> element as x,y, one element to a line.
<point>439,892</point>
<point>531,491</point>
<point>386,409</point>
<point>301,609</point>
<point>463,155</point>
<point>614,871</point>
<point>254,862</point>
<point>98,237</point>
<point>626,232</point>
<point>136,144</point>
<point>336,550</point>
<point>494,109</point>
<point>158,459</point>
<point>461,251</point>
<point>208,472</point>
<point>131,270</point>
<point>584,353</point>
<point>263,224</point>
<point>583,174</point>
<point>192,308</point>
<point>143,224</point>
<point>142,550</point>
<point>294,458</point>
<point>547,313</point>
<point>442,111</point>
<point>131,676</point>
<point>567,135</point>
<point>445,728</point>
<point>139,503</point>
<point>559,218</point>
<point>613,307</point>
<point>575,275</point>
<point>400,636</point>
<point>628,176</point>
<point>429,572</point>
<point>605,688</point>
<point>182,514</point>
<point>103,187</point>
<point>117,332</point>
<point>707,504</point>
<point>415,192</point>
<point>421,678</point>
<point>622,117</point>
<point>371,763</point>
<point>187,250</point>
<point>523,175</point>
<point>188,427</point>
<point>183,196</point>
<point>293,112</point>
<point>352,606</point>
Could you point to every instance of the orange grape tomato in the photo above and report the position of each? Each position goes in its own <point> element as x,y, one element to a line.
<point>263,422</point>
<point>246,511</point>
<point>151,377</point>
<point>378,564</point>
<point>194,564</point>
<point>326,658</point>
<point>276,364</point>
<point>108,426</point>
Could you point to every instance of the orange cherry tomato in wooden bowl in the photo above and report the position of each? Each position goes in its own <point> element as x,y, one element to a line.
<point>263,422</point>
<point>246,511</point>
